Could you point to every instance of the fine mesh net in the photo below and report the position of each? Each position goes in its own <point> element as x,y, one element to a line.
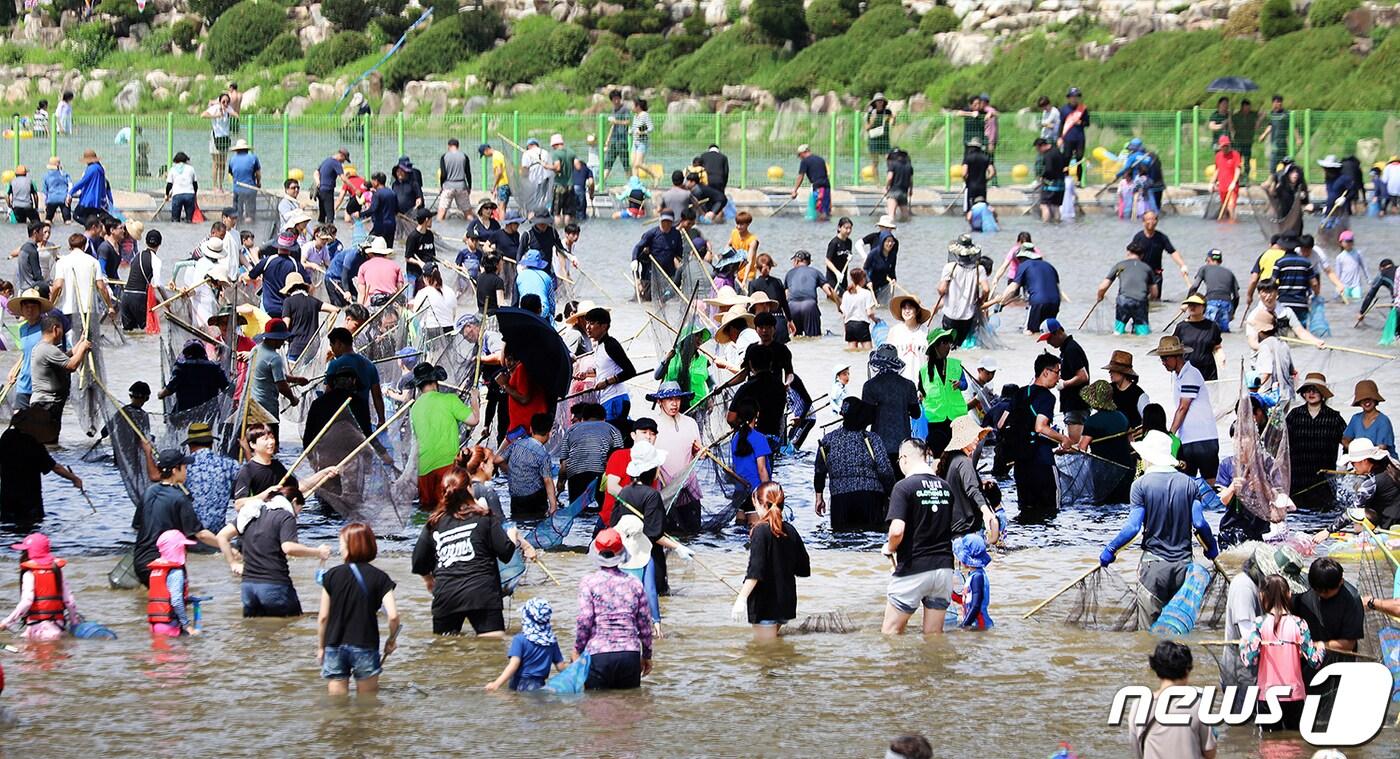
<point>86,396</point>
<point>1261,462</point>
<point>1099,600</point>
<point>1088,480</point>
<point>377,484</point>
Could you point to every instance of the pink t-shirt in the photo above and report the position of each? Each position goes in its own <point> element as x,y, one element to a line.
<point>380,275</point>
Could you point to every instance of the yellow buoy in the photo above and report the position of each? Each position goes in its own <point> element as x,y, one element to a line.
<point>956,170</point>
<point>7,176</point>
<point>1210,172</point>
<point>1020,171</point>
<point>775,173</point>
<point>867,174</point>
<point>296,175</point>
<point>1102,153</point>
<point>26,134</point>
<point>8,134</point>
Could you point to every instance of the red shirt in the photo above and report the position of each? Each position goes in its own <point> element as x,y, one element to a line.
<point>519,414</point>
<point>616,467</point>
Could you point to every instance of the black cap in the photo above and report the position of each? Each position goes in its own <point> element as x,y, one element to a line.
<point>139,389</point>
<point>422,214</point>
<point>171,458</point>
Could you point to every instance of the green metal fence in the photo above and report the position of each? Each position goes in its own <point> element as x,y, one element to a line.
<point>761,145</point>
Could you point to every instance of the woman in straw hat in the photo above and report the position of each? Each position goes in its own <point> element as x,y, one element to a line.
<point>1369,422</point>
<point>909,333</point>
<point>1314,437</point>
<point>1128,395</point>
<point>958,467</point>
<point>1109,427</point>
<point>734,333</point>
<point>1378,494</point>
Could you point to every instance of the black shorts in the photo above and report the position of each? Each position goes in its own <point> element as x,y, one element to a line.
<point>1052,197</point>
<point>532,506</point>
<point>565,201</point>
<point>482,621</point>
<point>1037,314</point>
<point>857,332</point>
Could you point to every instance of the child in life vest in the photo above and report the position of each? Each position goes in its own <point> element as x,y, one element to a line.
<point>46,606</point>
<point>169,607</point>
<point>1279,642</point>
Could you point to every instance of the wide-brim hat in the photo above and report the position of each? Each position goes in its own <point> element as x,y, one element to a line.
<point>31,295</point>
<point>730,257</point>
<point>886,359</point>
<point>966,431</point>
<point>221,318</point>
<point>897,308</point>
<point>584,306</point>
<point>541,218</point>
<point>736,314</point>
<point>286,241</point>
<point>1170,345</point>
<point>877,97</point>
<point>1099,395</point>
<point>963,247</point>
<point>974,142</point>
<point>645,457</point>
<point>1155,448</point>
<point>669,390</point>
<point>378,247</point>
<point>1194,300</point>
<point>1363,448</point>
<point>727,298</point>
<point>294,279</point>
<point>1317,380</point>
<point>427,373</point>
<point>533,259</point>
<point>296,217</point>
<point>886,222</point>
<point>212,248</point>
<point>1330,161</point>
<point>761,298</point>
<point>634,542</point>
<point>1366,390</point>
<point>1283,561</point>
<point>939,333</point>
<point>241,144</point>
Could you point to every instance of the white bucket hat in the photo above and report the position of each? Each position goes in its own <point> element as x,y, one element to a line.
<point>645,457</point>
<point>886,221</point>
<point>295,218</point>
<point>1155,448</point>
<point>965,432</point>
<point>1363,448</point>
<point>378,247</point>
<point>212,248</point>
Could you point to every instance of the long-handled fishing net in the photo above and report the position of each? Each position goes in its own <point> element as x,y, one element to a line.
<point>1088,480</point>
<point>86,397</point>
<point>372,486</point>
<point>1098,600</point>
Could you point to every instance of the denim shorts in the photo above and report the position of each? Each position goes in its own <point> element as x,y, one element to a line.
<point>341,661</point>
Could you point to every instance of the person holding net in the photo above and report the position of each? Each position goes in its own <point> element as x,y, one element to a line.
<point>1166,508</point>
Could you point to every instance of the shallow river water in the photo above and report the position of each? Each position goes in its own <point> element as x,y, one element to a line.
<point>251,686</point>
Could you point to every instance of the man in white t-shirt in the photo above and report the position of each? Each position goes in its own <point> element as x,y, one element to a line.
<point>76,275</point>
<point>1193,421</point>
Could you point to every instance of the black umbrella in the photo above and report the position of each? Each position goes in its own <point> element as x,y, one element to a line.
<point>534,341</point>
<point>1232,84</point>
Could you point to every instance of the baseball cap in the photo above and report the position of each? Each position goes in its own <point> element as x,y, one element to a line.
<point>1051,327</point>
<point>171,458</point>
<point>1215,255</point>
<point>1346,236</point>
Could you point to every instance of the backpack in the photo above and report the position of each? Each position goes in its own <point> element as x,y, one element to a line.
<point>1018,433</point>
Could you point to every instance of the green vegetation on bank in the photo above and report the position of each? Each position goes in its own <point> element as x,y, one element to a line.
<point>792,53</point>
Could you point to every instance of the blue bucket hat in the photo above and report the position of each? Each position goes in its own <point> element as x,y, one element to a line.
<point>532,259</point>
<point>468,320</point>
<point>886,359</point>
<point>535,617</point>
<point>409,355</point>
<point>514,218</point>
<point>669,390</point>
<point>971,550</point>
<point>730,257</point>
<point>1134,143</point>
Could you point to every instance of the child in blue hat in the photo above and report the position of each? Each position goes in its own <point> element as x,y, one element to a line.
<point>533,650</point>
<point>971,553</point>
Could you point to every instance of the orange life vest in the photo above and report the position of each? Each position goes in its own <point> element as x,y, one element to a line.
<point>158,608</point>
<point>48,592</point>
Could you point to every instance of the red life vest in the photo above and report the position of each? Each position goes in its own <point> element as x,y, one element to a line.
<point>158,608</point>
<point>48,592</point>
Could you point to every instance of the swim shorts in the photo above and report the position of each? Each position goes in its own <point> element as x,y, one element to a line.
<point>931,589</point>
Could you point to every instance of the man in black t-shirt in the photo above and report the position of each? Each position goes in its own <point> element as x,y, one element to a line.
<point>1074,376</point>
<point>977,169</point>
<point>23,463</point>
<point>813,168</point>
<point>1031,440</point>
<point>420,247</point>
<point>262,470</point>
<point>919,543</point>
<point>1154,245</point>
<point>165,506</point>
<point>1201,334</point>
<point>899,184</point>
<point>1336,619</point>
<point>269,536</point>
<point>1052,179</point>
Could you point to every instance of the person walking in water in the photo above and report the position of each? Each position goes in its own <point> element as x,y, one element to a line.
<point>46,605</point>
<point>347,625</point>
<point>919,544</point>
<point>777,557</point>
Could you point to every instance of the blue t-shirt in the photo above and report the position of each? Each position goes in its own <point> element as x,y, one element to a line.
<point>814,168</point>
<point>535,661</point>
<point>581,177</point>
<point>242,166</point>
<point>386,209</point>
<point>747,466</point>
<point>1039,281</point>
<point>1380,433</point>
<point>274,271</point>
<point>29,336</point>
<point>365,371</point>
<point>329,173</point>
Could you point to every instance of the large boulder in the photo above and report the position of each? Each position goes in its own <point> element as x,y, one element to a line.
<point>390,105</point>
<point>965,48</point>
<point>17,91</point>
<point>681,107</point>
<point>475,104</point>
<point>320,91</point>
<point>128,97</point>
<point>250,97</point>
<point>91,89</point>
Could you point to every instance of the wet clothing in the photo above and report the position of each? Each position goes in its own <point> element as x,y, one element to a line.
<point>776,563</point>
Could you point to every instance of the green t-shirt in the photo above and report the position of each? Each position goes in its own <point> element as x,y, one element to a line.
<point>1242,128</point>
<point>1278,135</point>
<point>565,157</point>
<point>435,418</point>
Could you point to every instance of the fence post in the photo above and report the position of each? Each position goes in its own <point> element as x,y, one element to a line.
<point>948,151</point>
<point>743,150</point>
<point>364,137</point>
<point>1195,144</point>
<point>1307,137</point>
<point>252,128</point>
<point>831,148</point>
<point>515,127</point>
<point>287,145</point>
<point>169,139</point>
<point>1289,141</point>
<point>485,137</point>
<point>718,126</point>
<point>398,131</point>
<point>14,138</point>
<point>131,152</point>
<point>53,137</point>
<point>1176,152</point>
<point>855,147</point>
